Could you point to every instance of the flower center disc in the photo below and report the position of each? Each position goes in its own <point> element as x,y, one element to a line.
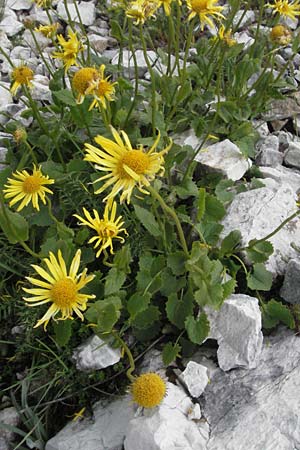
<point>199,5</point>
<point>136,160</point>
<point>32,184</point>
<point>22,75</point>
<point>103,88</point>
<point>83,78</point>
<point>107,230</point>
<point>64,293</point>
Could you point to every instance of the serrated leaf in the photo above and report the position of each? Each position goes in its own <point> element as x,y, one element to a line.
<point>137,303</point>
<point>214,209</point>
<point>209,294</point>
<point>260,279</point>
<point>170,284</point>
<point>197,329</point>
<point>259,252</point>
<point>178,309</point>
<point>223,192</point>
<point>230,242</point>
<point>279,312</point>
<point>14,226</point>
<point>63,331</point>
<point>104,313</point>
<point>64,96</point>
<point>148,220</point>
<point>123,258</point>
<point>147,317</point>
<point>201,203</point>
<point>229,288</point>
<point>176,262</point>
<point>170,353</point>
<point>114,281</point>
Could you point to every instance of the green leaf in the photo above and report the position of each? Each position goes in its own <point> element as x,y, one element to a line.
<point>176,262</point>
<point>201,203</point>
<point>230,242</point>
<point>148,220</point>
<point>170,353</point>
<point>260,279</point>
<point>77,165</point>
<point>229,288</point>
<point>63,331</point>
<point>63,231</point>
<point>186,189</point>
<point>147,317</point>
<point>214,209</point>
<point>210,231</point>
<point>137,303</point>
<point>116,30</point>
<point>42,218</point>
<point>197,329</point>
<point>170,284</point>
<point>178,309</point>
<point>123,258</point>
<point>259,252</point>
<point>14,226</point>
<point>114,281</point>
<point>278,312</point>
<point>65,97</point>
<point>223,192</point>
<point>53,170</point>
<point>104,313</point>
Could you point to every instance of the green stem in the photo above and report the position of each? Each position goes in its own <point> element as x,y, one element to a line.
<point>187,48</point>
<point>31,153</point>
<point>40,52</point>
<point>177,40</point>
<point>136,74</point>
<point>50,212</point>
<point>129,355</point>
<point>28,250</point>
<point>170,211</point>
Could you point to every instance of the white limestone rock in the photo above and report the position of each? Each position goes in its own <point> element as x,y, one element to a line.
<point>20,52</point>
<point>41,90</point>
<point>258,409</point>
<point>195,378</point>
<point>8,416</point>
<point>268,152</point>
<point>105,431</point>
<point>5,95</point>
<point>3,152</point>
<point>128,62</point>
<point>290,290</point>
<point>258,212</point>
<point>99,43</point>
<point>95,354</point>
<point>19,5</point>
<point>188,137</point>
<point>283,176</point>
<point>87,12</point>
<point>10,24</point>
<point>237,328</point>
<point>42,41</point>
<point>244,38</point>
<point>5,43</point>
<point>243,18</point>
<point>167,427</point>
<point>292,155</point>
<point>226,158</point>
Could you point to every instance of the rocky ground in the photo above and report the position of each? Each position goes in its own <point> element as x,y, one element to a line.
<point>245,393</point>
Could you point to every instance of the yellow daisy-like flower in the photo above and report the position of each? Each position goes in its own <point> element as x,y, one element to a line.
<point>127,167</point>
<point>71,48</point>
<point>141,10</point>
<point>284,8</point>
<point>148,390</point>
<point>21,76</point>
<point>28,188</point>
<point>104,90</point>
<point>43,3</point>
<point>226,36</point>
<point>280,35</point>
<point>60,288</point>
<point>205,9</point>
<point>85,81</point>
<point>107,228</point>
<point>47,30</point>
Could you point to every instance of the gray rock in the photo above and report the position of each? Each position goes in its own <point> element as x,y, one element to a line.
<point>167,427</point>
<point>268,152</point>
<point>3,152</point>
<point>87,12</point>
<point>18,5</point>
<point>261,127</point>
<point>40,89</point>
<point>95,354</point>
<point>40,16</point>
<point>248,18</point>
<point>4,43</point>
<point>99,43</point>
<point>152,362</point>
<point>8,416</point>
<point>244,38</point>
<point>42,41</point>
<point>5,95</point>
<point>258,409</point>
<point>187,137</point>
<point>20,52</point>
<point>292,155</point>
<point>283,175</point>
<point>128,62</point>
<point>105,431</point>
<point>195,378</point>
<point>258,212</point>
<point>282,109</point>
<point>226,158</point>
<point>237,328</point>
<point>10,24</point>
<point>290,290</point>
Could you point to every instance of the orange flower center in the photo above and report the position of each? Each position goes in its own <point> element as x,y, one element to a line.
<point>104,88</point>
<point>84,78</point>
<point>64,293</point>
<point>136,160</point>
<point>199,5</point>
<point>32,184</point>
<point>22,75</point>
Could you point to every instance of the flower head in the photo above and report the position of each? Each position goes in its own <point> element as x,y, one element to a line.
<point>148,390</point>
<point>60,288</point>
<point>167,5</point>
<point>43,3</point>
<point>107,228</point>
<point>141,10</point>
<point>104,90</point>
<point>85,81</point>
<point>285,8</point>
<point>280,35</point>
<point>71,48</point>
<point>127,167</point>
<point>47,30</point>
<point>28,188</point>
<point>226,36</point>
<point>205,9</point>
<point>21,76</point>
<point>20,135</point>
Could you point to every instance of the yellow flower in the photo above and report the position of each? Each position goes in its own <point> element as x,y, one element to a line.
<point>107,228</point>
<point>71,48</point>
<point>84,82</point>
<point>47,30</point>
<point>104,90</point>
<point>43,3</point>
<point>148,390</point>
<point>60,288</point>
<point>21,75</point>
<point>205,9</point>
<point>284,8</point>
<point>281,35</point>
<point>127,167</point>
<point>28,188</point>
<point>226,36</point>
<point>141,10</point>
